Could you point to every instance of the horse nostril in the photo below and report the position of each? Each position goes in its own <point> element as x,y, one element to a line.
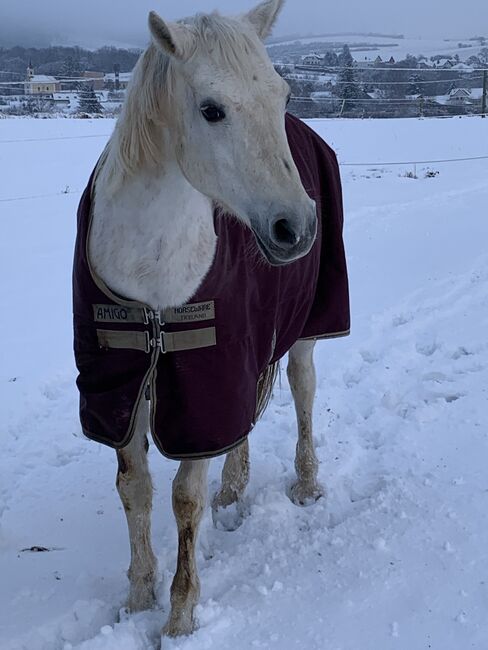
<point>284,234</point>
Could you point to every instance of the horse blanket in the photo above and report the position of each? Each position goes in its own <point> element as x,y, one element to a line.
<point>200,363</point>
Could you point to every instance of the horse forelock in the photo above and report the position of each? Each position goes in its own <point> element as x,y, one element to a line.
<point>227,42</point>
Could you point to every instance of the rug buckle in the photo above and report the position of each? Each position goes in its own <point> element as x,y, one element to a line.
<point>151,315</point>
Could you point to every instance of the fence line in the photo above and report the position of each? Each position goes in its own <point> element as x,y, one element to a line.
<point>411,162</point>
<point>12,85</point>
<point>337,69</point>
<point>107,135</point>
<point>396,83</point>
<point>39,196</point>
<point>388,100</point>
<point>325,70</point>
<point>67,192</point>
<point>67,137</point>
<point>72,80</point>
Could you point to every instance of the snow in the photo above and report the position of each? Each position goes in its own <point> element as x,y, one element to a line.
<point>396,556</point>
<point>398,48</point>
<point>42,78</point>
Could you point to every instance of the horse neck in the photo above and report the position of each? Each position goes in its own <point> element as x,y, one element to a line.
<point>153,238</point>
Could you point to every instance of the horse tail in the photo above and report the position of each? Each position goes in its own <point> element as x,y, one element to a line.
<point>265,387</point>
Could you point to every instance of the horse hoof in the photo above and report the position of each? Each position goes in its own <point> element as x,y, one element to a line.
<point>141,601</point>
<point>306,494</point>
<point>174,629</point>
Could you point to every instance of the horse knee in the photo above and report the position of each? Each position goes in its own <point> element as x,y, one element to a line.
<point>188,505</point>
<point>133,481</point>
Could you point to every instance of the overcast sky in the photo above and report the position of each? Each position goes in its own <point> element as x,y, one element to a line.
<point>92,23</point>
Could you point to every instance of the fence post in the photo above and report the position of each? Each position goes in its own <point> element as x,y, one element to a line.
<point>485,90</point>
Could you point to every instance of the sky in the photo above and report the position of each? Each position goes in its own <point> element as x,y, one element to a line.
<point>92,23</point>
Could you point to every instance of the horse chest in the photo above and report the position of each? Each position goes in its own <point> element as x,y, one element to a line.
<point>152,244</point>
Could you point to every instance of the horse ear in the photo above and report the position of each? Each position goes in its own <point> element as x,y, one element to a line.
<point>173,38</point>
<point>264,16</point>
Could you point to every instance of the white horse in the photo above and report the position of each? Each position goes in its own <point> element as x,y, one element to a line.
<point>203,124</point>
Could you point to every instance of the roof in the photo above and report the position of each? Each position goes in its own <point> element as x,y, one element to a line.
<point>460,91</point>
<point>43,79</point>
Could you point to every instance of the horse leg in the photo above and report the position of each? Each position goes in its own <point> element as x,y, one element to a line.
<point>189,498</point>
<point>235,477</point>
<point>301,375</point>
<point>135,489</point>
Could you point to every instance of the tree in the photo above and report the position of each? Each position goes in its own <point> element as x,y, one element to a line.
<point>87,100</point>
<point>70,68</point>
<point>331,60</point>
<point>348,88</point>
<point>35,104</point>
<point>345,57</point>
<point>414,85</point>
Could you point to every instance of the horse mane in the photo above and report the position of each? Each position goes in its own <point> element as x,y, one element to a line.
<point>138,139</point>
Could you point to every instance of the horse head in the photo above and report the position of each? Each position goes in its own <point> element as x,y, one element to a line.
<point>225,108</point>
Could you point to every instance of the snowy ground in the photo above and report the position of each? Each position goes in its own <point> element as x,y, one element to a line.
<point>397,556</point>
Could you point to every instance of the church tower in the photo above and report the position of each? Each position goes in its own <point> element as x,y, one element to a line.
<point>30,71</point>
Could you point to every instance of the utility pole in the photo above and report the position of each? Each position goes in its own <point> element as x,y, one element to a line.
<point>485,90</point>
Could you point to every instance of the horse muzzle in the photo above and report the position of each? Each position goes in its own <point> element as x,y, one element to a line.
<point>287,237</point>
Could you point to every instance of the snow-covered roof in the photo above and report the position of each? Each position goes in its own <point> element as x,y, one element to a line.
<point>461,66</point>
<point>460,91</point>
<point>476,93</point>
<point>43,79</point>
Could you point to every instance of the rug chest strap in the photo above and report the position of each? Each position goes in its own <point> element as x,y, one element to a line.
<point>168,341</point>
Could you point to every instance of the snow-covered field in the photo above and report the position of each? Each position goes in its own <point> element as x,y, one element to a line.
<point>397,556</point>
<point>398,48</point>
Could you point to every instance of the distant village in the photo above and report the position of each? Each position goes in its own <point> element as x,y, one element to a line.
<point>352,83</point>
<point>90,93</point>
<point>338,81</point>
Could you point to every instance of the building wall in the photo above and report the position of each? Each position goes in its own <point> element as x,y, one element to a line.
<point>34,88</point>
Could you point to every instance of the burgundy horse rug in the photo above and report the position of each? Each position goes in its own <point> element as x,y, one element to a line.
<point>200,363</point>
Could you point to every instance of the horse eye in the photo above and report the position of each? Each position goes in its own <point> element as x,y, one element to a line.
<point>212,113</point>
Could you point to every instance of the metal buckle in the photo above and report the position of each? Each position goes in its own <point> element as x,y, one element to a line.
<point>150,315</point>
<point>155,343</point>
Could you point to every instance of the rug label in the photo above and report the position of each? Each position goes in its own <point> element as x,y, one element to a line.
<point>190,313</point>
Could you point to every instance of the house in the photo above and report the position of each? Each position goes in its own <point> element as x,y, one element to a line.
<point>97,79</point>
<point>460,96</point>
<point>313,59</point>
<point>40,84</point>
<point>443,61</point>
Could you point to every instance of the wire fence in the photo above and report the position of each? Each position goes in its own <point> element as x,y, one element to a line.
<point>374,91</point>
<point>373,165</point>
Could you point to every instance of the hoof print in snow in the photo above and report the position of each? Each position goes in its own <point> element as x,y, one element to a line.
<point>229,518</point>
